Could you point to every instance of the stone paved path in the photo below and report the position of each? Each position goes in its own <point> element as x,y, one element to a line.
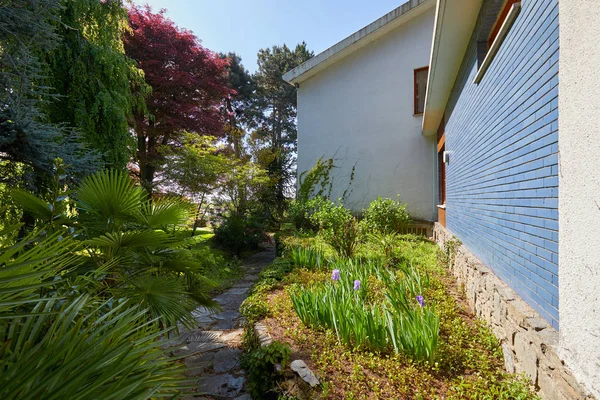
<point>213,349</point>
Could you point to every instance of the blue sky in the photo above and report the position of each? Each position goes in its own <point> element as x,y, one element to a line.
<point>245,26</point>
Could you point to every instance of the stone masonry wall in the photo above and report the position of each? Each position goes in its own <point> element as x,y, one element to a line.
<point>529,343</point>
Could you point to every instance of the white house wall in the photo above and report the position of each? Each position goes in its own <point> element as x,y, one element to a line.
<point>360,112</point>
<point>579,196</point>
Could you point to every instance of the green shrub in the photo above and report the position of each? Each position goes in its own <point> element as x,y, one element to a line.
<point>265,366</point>
<point>300,212</point>
<point>385,216</point>
<point>254,309</point>
<point>237,234</point>
<point>279,268</point>
<point>337,226</point>
<point>387,242</point>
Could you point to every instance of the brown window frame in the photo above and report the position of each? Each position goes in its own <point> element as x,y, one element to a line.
<point>500,20</point>
<point>441,166</point>
<point>502,25</point>
<point>416,91</point>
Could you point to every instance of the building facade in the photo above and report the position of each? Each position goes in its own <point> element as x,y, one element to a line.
<point>507,154</point>
<point>356,104</point>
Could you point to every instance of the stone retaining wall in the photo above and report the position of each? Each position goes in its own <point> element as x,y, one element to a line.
<point>529,343</point>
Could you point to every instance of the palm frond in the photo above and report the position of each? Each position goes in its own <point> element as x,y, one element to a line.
<point>32,204</point>
<point>144,238</point>
<point>30,265</point>
<point>165,213</point>
<point>110,197</point>
<point>165,297</point>
<point>84,352</point>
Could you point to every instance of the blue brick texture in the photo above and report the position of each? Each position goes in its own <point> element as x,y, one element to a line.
<point>502,179</point>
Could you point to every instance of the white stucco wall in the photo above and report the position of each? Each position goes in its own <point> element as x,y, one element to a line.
<point>360,111</point>
<point>579,190</point>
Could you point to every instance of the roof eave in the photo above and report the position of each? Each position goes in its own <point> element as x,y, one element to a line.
<point>455,21</point>
<point>357,40</point>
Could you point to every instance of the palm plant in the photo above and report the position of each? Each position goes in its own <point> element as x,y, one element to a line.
<point>137,242</point>
<point>140,238</point>
<point>60,340</point>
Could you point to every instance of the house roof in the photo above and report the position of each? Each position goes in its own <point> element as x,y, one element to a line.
<point>455,21</point>
<point>357,40</point>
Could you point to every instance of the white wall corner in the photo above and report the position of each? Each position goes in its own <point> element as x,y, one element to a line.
<point>579,190</point>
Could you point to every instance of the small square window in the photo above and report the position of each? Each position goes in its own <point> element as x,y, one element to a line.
<point>420,89</point>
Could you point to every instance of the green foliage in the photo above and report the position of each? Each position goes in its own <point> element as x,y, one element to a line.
<point>237,234</point>
<point>27,138</point>
<point>449,252</point>
<point>265,367</point>
<point>398,323</point>
<point>338,226</point>
<point>254,309</point>
<point>306,257</point>
<point>138,242</point>
<point>317,177</point>
<point>300,212</point>
<point>385,216</point>
<point>277,270</point>
<point>241,185</point>
<point>387,242</point>
<point>492,388</point>
<point>63,339</point>
<point>195,166</point>
<point>94,78</point>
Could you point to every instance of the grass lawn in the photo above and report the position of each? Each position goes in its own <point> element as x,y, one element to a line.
<point>466,361</point>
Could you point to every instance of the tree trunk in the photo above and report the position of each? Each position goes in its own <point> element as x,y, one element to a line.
<point>197,214</point>
<point>147,169</point>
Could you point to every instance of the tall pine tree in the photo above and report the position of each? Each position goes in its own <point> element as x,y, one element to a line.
<point>274,114</point>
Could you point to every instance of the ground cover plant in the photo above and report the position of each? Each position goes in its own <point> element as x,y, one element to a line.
<point>388,322</point>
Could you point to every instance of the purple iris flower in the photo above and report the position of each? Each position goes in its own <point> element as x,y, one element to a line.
<point>421,301</point>
<point>335,275</point>
<point>356,284</point>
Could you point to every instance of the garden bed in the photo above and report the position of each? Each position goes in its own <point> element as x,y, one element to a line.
<point>466,362</point>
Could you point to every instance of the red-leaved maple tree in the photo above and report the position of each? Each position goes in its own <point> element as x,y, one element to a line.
<point>188,84</point>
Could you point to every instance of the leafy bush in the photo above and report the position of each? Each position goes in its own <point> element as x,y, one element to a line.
<point>402,322</point>
<point>337,226</point>
<point>254,309</point>
<point>300,212</point>
<point>279,268</point>
<point>386,241</point>
<point>385,216</point>
<point>237,234</point>
<point>265,367</point>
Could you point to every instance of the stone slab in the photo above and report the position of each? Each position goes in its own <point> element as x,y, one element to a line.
<point>221,385</point>
<point>305,373</point>
<point>226,360</point>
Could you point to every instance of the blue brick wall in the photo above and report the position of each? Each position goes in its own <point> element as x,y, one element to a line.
<point>502,180</point>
